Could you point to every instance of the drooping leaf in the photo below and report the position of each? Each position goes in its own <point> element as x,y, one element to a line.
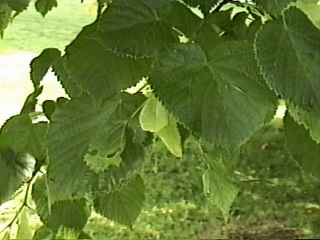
<point>22,136</point>
<point>274,7</point>
<point>15,170</point>
<point>122,205</point>
<point>220,97</point>
<point>170,136</point>
<point>40,197</point>
<point>5,16</point>
<point>18,5</point>
<point>138,28</point>
<point>44,6</point>
<point>309,119</point>
<point>91,68</point>
<point>43,233</point>
<point>68,213</point>
<point>41,64</point>
<point>305,151</point>
<point>219,187</point>
<point>153,116</point>
<point>24,228</point>
<point>295,74</point>
<point>72,214</point>
<point>78,126</point>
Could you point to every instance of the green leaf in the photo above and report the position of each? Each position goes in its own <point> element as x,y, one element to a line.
<point>312,9</point>
<point>219,187</point>
<point>138,27</point>
<point>44,6</point>
<point>274,7</point>
<point>304,150</point>
<point>72,214</point>
<point>40,197</point>
<point>24,228</point>
<point>5,16</point>
<point>170,136</point>
<point>294,75</point>
<point>221,98</point>
<point>122,205</point>
<point>15,170</point>
<point>48,106</point>
<point>153,116</point>
<point>18,5</point>
<point>22,136</point>
<point>41,64</point>
<point>78,126</point>
<point>309,119</point>
<point>89,67</point>
<point>43,233</point>
<point>68,213</point>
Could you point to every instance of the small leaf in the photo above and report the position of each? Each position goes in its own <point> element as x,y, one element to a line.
<point>220,189</point>
<point>304,150</point>
<point>170,136</point>
<point>153,116</point>
<point>122,205</point>
<point>41,64</point>
<point>44,6</point>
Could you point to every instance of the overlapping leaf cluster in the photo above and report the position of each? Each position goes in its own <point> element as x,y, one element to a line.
<point>216,71</point>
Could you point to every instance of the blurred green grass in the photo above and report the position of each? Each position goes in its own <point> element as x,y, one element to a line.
<point>31,32</point>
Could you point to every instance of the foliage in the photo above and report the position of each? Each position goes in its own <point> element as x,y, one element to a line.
<point>216,75</point>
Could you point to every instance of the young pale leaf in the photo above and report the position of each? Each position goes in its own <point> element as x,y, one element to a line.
<point>137,27</point>
<point>122,205</point>
<point>153,116</point>
<point>76,126</point>
<point>44,6</point>
<point>204,5</point>
<point>220,97</point>
<point>305,151</point>
<point>41,64</point>
<point>294,75</point>
<point>170,136</point>
<point>219,187</point>
<point>24,228</point>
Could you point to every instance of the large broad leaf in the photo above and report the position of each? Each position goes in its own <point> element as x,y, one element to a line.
<point>44,6</point>
<point>24,227</point>
<point>41,64</point>
<point>78,126</point>
<point>90,67</point>
<point>15,170</point>
<point>122,205</point>
<point>288,53</point>
<point>305,151</point>
<point>218,186</point>
<point>137,27</point>
<point>22,136</point>
<point>274,7</point>
<point>221,98</point>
